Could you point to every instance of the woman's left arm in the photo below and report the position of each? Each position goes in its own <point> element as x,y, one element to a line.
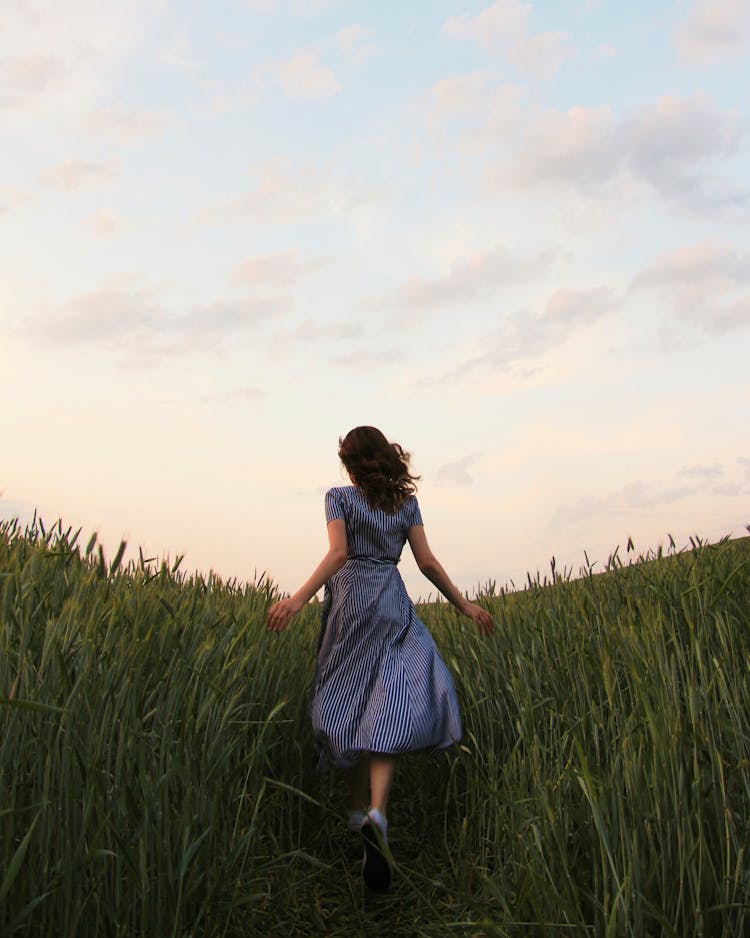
<point>281,612</point>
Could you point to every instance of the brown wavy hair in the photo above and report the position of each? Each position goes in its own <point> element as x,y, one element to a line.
<point>379,468</point>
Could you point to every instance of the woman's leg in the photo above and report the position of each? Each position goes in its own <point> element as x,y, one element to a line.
<point>359,785</point>
<point>376,865</point>
<point>381,776</point>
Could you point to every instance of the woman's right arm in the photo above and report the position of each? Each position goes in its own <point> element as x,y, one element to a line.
<point>281,612</point>
<point>435,573</point>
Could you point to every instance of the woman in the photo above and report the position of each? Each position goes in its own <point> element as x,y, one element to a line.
<point>380,687</point>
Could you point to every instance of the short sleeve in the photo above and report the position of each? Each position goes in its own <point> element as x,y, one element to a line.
<point>412,514</point>
<point>334,505</point>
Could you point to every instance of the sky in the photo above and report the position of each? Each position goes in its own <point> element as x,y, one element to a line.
<point>513,235</point>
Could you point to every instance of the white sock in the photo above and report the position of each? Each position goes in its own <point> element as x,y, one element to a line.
<point>378,819</point>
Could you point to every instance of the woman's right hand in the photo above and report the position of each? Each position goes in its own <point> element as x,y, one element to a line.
<point>281,612</point>
<point>483,620</point>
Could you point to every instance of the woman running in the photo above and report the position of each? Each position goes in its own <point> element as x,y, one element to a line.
<point>380,687</point>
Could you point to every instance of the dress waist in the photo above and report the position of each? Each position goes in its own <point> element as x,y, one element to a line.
<point>363,557</point>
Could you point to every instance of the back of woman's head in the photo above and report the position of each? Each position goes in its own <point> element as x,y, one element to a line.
<point>379,468</point>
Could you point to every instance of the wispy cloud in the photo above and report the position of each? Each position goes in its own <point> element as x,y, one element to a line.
<point>304,77</point>
<point>634,497</point>
<point>713,32</point>
<point>245,394</point>
<point>135,321</point>
<point>128,124</point>
<point>730,489</point>
<point>104,224</point>
<point>525,335</point>
<point>76,174</point>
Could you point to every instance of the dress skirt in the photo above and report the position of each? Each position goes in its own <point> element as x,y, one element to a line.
<point>380,685</point>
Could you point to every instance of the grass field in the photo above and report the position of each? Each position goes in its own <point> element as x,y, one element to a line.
<point>157,772</point>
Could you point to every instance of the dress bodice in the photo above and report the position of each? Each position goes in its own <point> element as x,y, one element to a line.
<point>371,532</point>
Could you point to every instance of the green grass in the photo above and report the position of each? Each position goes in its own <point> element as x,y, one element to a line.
<point>157,771</point>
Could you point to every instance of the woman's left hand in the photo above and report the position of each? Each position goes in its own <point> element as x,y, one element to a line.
<point>280,614</point>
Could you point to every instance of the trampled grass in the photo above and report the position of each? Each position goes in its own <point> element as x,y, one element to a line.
<point>157,772</point>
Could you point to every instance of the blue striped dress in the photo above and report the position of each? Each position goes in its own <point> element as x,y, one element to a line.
<point>380,684</point>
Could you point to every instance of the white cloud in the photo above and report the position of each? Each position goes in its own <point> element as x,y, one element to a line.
<point>304,78</point>
<point>542,54</point>
<point>493,25</point>
<point>674,145</point>
<point>735,315</point>
<point>699,269</point>
<point>713,32</point>
<point>313,330</point>
<point>58,60</point>
<point>355,42</point>
<point>301,8</point>
<point>504,26</point>
<point>670,142</point>
<point>104,224</point>
<point>79,174</point>
<point>180,54</point>
<point>476,277</point>
<point>458,97</point>
<point>10,198</point>
<point>579,147</point>
<point>288,194</point>
<point>472,112</point>
<point>128,124</point>
<point>29,76</point>
<point>457,472</point>
<point>671,146</point>
<point>284,267</point>
<point>368,357</point>
<point>701,282</point>
<point>702,471</point>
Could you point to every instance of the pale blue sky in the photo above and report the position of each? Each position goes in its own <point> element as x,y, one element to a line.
<point>512,235</point>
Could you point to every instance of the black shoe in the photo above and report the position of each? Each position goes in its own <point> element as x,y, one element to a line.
<point>376,867</point>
